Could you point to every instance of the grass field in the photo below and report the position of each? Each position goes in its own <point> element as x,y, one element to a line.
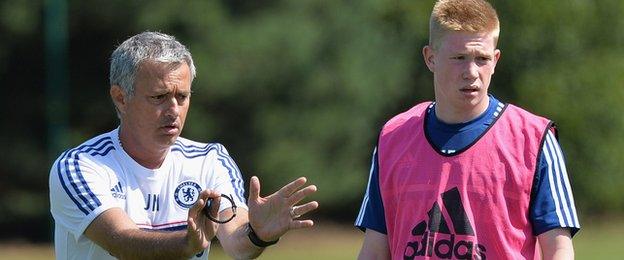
<point>597,240</point>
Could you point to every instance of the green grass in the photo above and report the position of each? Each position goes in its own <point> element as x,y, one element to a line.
<point>322,242</point>
<point>599,239</point>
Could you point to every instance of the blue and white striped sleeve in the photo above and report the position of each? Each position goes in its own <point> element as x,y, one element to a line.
<point>229,179</point>
<point>552,204</point>
<point>79,191</point>
<point>371,214</point>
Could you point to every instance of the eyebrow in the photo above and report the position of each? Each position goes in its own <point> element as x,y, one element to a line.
<point>474,52</point>
<point>160,91</point>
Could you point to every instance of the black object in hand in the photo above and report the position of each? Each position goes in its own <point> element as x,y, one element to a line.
<point>209,208</point>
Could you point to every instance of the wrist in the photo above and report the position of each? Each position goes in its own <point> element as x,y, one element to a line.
<point>257,241</point>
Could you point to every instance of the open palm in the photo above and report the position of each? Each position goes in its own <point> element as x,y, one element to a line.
<point>271,216</point>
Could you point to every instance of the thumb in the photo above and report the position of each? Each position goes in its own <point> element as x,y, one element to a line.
<point>254,188</point>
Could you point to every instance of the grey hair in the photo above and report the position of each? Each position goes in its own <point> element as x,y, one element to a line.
<point>146,46</point>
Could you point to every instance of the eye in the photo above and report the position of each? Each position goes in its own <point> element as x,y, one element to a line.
<point>183,96</point>
<point>459,57</point>
<point>484,58</point>
<point>159,97</point>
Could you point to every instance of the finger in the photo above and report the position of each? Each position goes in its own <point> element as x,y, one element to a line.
<point>202,200</point>
<point>192,228</point>
<point>214,207</point>
<point>198,206</point>
<point>305,208</point>
<point>301,194</point>
<point>297,224</point>
<point>191,224</point>
<point>290,188</point>
<point>254,188</point>
<point>205,194</point>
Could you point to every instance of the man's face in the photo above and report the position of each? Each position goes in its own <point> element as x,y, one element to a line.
<point>463,65</point>
<point>154,116</point>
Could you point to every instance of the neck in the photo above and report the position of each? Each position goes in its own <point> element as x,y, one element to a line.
<point>146,156</point>
<point>456,115</point>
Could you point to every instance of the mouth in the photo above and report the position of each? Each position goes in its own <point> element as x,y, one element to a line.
<point>171,128</point>
<point>469,90</point>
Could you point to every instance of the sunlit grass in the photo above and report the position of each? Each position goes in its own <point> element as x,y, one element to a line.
<point>321,242</point>
<point>599,239</point>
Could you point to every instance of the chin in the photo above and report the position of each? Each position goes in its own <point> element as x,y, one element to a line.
<point>167,140</point>
<point>172,139</point>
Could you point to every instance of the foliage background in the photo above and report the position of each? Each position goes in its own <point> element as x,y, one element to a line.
<point>296,88</point>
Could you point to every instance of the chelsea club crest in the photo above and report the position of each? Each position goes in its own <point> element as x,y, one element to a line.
<point>186,193</point>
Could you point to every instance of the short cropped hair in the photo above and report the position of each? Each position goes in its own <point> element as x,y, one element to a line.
<point>146,46</point>
<point>475,16</point>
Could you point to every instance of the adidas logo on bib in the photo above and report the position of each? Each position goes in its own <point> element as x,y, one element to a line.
<point>435,238</point>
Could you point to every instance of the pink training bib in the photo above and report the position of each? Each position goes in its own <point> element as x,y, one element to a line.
<point>471,205</point>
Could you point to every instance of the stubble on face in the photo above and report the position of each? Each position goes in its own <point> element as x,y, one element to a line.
<point>154,116</point>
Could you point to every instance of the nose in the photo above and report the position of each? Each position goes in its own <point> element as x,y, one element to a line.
<point>471,71</point>
<point>173,108</point>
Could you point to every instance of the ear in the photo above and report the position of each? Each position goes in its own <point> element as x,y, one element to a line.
<point>428,55</point>
<point>497,55</point>
<point>119,98</point>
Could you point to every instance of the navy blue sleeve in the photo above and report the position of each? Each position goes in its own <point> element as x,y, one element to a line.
<point>371,214</point>
<point>552,204</point>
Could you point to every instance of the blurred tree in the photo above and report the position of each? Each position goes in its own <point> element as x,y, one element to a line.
<point>296,88</point>
<point>564,61</point>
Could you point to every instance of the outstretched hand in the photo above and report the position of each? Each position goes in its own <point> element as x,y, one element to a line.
<point>272,216</point>
<point>200,229</point>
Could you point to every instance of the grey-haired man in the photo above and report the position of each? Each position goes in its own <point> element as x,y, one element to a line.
<point>140,190</point>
